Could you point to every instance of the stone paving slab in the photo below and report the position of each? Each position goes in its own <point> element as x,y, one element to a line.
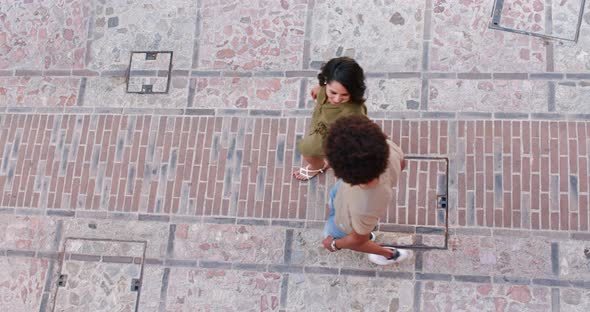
<point>392,95</point>
<point>575,57</point>
<point>462,42</point>
<point>97,286</point>
<point>120,27</point>
<point>104,248</point>
<point>571,95</point>
<point>222,290</point>
<point>109,92</point>
<point>43,35</point>
<point>574,264</point>
<point>42,91</point>
<point>383,36</point>
<point>21,283</point>
<point>155,234</point>
<point>229,243</point>
<point>239,92</point>
<point>565,17</point>
<point>575,300</point>
<point>256,34</point>
<point>484,297</point>
<point>348,293</point>
<point>489,95</point>
<point>151,287</point>
<point>528,16</point>
<point>33,233</point>
<point>473,255</point>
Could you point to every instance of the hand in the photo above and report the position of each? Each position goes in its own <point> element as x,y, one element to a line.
<point>314,92</point>
<point>327,242</point>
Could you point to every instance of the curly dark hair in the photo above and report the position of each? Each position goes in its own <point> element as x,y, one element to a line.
<point>357,149</point>
<point>347,72</point>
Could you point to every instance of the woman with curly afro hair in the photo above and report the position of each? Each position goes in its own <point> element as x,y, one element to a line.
<point>368,166</point>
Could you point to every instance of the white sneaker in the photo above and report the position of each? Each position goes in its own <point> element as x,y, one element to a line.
<point>399,256</point>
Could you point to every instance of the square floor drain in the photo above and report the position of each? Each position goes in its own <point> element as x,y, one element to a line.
<point>149,72</point>
<point>548,19</point>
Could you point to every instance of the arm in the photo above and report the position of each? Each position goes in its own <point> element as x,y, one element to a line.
<point>357,242</point>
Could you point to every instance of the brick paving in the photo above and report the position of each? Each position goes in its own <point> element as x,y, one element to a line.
<point>191,193</point>
<point>528,174</point>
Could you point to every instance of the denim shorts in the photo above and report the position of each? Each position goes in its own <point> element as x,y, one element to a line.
<point>330,229</point>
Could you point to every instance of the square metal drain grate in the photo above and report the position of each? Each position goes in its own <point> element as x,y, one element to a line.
<point>548,19</point>
<point>149,72</point>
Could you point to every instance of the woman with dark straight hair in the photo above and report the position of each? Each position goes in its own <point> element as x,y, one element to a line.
<point>340,93</point>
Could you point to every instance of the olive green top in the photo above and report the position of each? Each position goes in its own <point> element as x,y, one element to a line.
<point>324,114</point>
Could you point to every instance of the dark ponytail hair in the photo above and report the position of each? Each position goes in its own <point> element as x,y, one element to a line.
<point>347,72</point>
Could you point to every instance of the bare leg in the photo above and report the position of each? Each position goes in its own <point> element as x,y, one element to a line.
<point>315,163</point>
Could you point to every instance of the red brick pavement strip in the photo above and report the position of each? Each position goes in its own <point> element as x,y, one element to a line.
<point>525,174</point>
<point>528,174</point>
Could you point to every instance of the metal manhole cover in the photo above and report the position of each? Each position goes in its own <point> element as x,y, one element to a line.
<point>100,275</point>
<point>549,19</point>
<point>149,72</point>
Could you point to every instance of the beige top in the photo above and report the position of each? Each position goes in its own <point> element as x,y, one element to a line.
<point>360,208</point>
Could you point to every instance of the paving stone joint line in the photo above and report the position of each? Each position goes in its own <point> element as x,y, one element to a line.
<point>343,271</point>
<point>294,113</point>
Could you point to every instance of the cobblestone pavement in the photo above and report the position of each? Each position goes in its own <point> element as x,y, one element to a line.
<point>114,201</point>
